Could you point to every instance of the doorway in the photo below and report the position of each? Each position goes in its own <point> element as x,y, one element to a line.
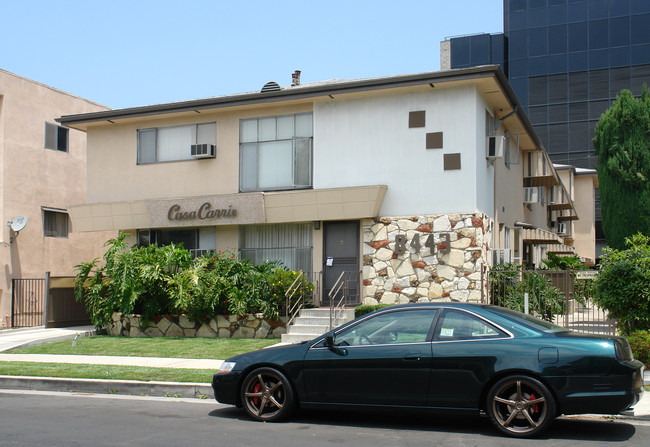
<point>341,254</point>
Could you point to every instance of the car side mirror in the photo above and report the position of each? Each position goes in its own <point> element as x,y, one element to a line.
<point>331,344</point>
<point>329,341</point>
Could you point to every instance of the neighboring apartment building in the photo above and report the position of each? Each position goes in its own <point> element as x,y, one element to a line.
<point>566,60</point>
<point>408,182</point>
<point>42,171</point>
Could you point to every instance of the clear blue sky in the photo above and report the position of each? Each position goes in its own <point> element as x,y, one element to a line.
<point>138,52</point>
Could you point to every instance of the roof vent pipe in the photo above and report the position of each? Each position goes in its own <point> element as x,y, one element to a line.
<point>295,78</point>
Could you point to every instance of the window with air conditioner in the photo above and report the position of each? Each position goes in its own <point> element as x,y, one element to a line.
<point>162,144</point>
<point>56,137</point>
<point>276,153</point>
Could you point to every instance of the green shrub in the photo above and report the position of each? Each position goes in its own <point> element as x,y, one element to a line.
<point>640,344</point>
<point>623,284</point>
<point>166,280</point>
<point>367,308</point>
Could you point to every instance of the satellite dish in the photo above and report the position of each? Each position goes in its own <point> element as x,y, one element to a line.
<point>18,223</point>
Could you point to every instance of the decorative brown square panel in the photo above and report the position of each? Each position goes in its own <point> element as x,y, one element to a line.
<point>451,162</point>
<point>434,140</point>
<point>417,119</point>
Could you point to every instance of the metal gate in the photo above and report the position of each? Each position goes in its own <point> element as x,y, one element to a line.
<point>27,302</point>
<point>563,297</point>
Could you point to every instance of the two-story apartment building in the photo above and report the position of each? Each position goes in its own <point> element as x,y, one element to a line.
<point>42,171</point>
<point>409,182</point>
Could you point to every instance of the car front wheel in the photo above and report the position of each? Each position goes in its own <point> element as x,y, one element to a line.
<point>520,406</point>
<point>267,395</point>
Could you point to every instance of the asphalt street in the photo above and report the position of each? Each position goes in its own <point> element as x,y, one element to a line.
<point>63,419</point>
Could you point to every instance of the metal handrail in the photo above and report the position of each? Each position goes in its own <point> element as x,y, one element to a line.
<point>336,309</point>
<point>291,310</point>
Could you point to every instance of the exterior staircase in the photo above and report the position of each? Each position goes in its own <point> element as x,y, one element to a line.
<point>311,323</point>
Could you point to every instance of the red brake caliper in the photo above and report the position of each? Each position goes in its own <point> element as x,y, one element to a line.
<point>256,389</point>
<point>534,406</point>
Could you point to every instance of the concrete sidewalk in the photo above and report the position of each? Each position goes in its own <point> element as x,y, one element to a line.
<point>19,338</point>
<point>149,362</point>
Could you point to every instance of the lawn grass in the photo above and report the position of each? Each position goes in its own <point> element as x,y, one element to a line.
<point>177,347</point>
<point>76,371</point>
<point>189,348</point>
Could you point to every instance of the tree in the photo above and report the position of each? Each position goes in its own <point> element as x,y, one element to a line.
<point>623,284</point>
<point>622,142</point>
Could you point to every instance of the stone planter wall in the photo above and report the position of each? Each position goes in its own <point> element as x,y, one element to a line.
<point>222,326</point>
<point>425,258</point>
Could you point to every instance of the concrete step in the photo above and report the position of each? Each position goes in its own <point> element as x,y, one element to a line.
<point>316,330</point>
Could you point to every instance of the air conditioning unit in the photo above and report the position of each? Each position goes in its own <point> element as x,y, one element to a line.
<point>202,150</point>
<point>561,228</point>
<point>495,146</point>
<point>531,194</point>
<point>500,256</point>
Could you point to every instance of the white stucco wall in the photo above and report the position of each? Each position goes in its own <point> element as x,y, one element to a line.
<point>367,141</point>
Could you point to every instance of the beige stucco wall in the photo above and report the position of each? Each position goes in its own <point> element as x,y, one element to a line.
<point>34,177</point>
<point>114,154</point>
<point>583,193</point>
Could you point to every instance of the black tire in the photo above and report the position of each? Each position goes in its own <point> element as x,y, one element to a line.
<point>266,395</point>
<point>520,406</point>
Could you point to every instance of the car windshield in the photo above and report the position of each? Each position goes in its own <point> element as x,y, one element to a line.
<point>528,320</point>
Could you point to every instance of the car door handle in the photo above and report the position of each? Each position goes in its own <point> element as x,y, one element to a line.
<point>413,358</point>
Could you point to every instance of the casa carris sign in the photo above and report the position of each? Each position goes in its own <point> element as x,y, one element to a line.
<point>225,209</point>
<point>205,211</point>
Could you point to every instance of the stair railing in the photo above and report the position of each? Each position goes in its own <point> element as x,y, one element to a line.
<point>336,308</point>
<point>293,309</point>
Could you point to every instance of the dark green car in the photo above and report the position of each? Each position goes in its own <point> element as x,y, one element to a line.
<point>446,357</point>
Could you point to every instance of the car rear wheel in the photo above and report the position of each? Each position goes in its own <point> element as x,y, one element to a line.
<point>520,406</point>
<point>267,395</point>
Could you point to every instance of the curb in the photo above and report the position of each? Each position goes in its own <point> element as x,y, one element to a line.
<point>99,386</point>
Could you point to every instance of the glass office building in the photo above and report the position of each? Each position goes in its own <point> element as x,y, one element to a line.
<point>566,60</point>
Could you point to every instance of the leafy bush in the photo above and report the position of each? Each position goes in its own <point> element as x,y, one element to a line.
<point>623,284</point>
<point>166,280</point>
<point>367,308</point>
<point>509,284</point>
<point>640,344</point>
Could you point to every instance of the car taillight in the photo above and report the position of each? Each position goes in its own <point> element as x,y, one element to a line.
<point>622,352</point>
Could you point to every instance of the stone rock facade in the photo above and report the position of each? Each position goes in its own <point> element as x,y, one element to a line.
<point>222,326</point>
<point>425,258</point>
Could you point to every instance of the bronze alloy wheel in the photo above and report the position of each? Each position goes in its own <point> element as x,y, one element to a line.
<point>520,406</point>
<point>267,395</point>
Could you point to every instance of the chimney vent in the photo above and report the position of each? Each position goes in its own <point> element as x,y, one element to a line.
<point>295,78</point>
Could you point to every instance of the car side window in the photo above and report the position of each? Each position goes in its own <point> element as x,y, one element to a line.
<point>406,326</point>
<point>459,325</point>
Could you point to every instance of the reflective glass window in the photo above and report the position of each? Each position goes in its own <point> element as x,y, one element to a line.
<point>407,326</point>
<point>516,5</point>
<point>479,51</point>
<point>578,61</point>
<point>536,4</point>
<point>598,84</point>
<point>640,28</point>
<point>537,90</point>
<point>598,59</point>
<point>578,90</point>
<point>598,9</point>
<point>577,11</point>
<point>538,114</point>
<point>577,36</point>
<point>520,86</point>
<point>537,42</point>
<point>638,76</point>
<point>518,44</point>
<point>597,108</point>
<point>517,21</point>
<point>557,63</point>
<point>557,138</point>
<point>578,136</point>
<point>619,57</point>
<point>598,34</point>
<point>557,39</point>
<point>557,88</point>
<point>557,113</point>
<point>537,66</point>
<point>460,52</point>
<point>640,54</point>
<point>556,2</point>
<point>618,8</point>
<point>542,133</point>
<point>578,111</point>
<point>619,79</point>
<point>518,68</point>
<point>536,17</point>
<point>619,31</point>
<point>640,6</point>
<point>557,14</point>
<point>459,325</point>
